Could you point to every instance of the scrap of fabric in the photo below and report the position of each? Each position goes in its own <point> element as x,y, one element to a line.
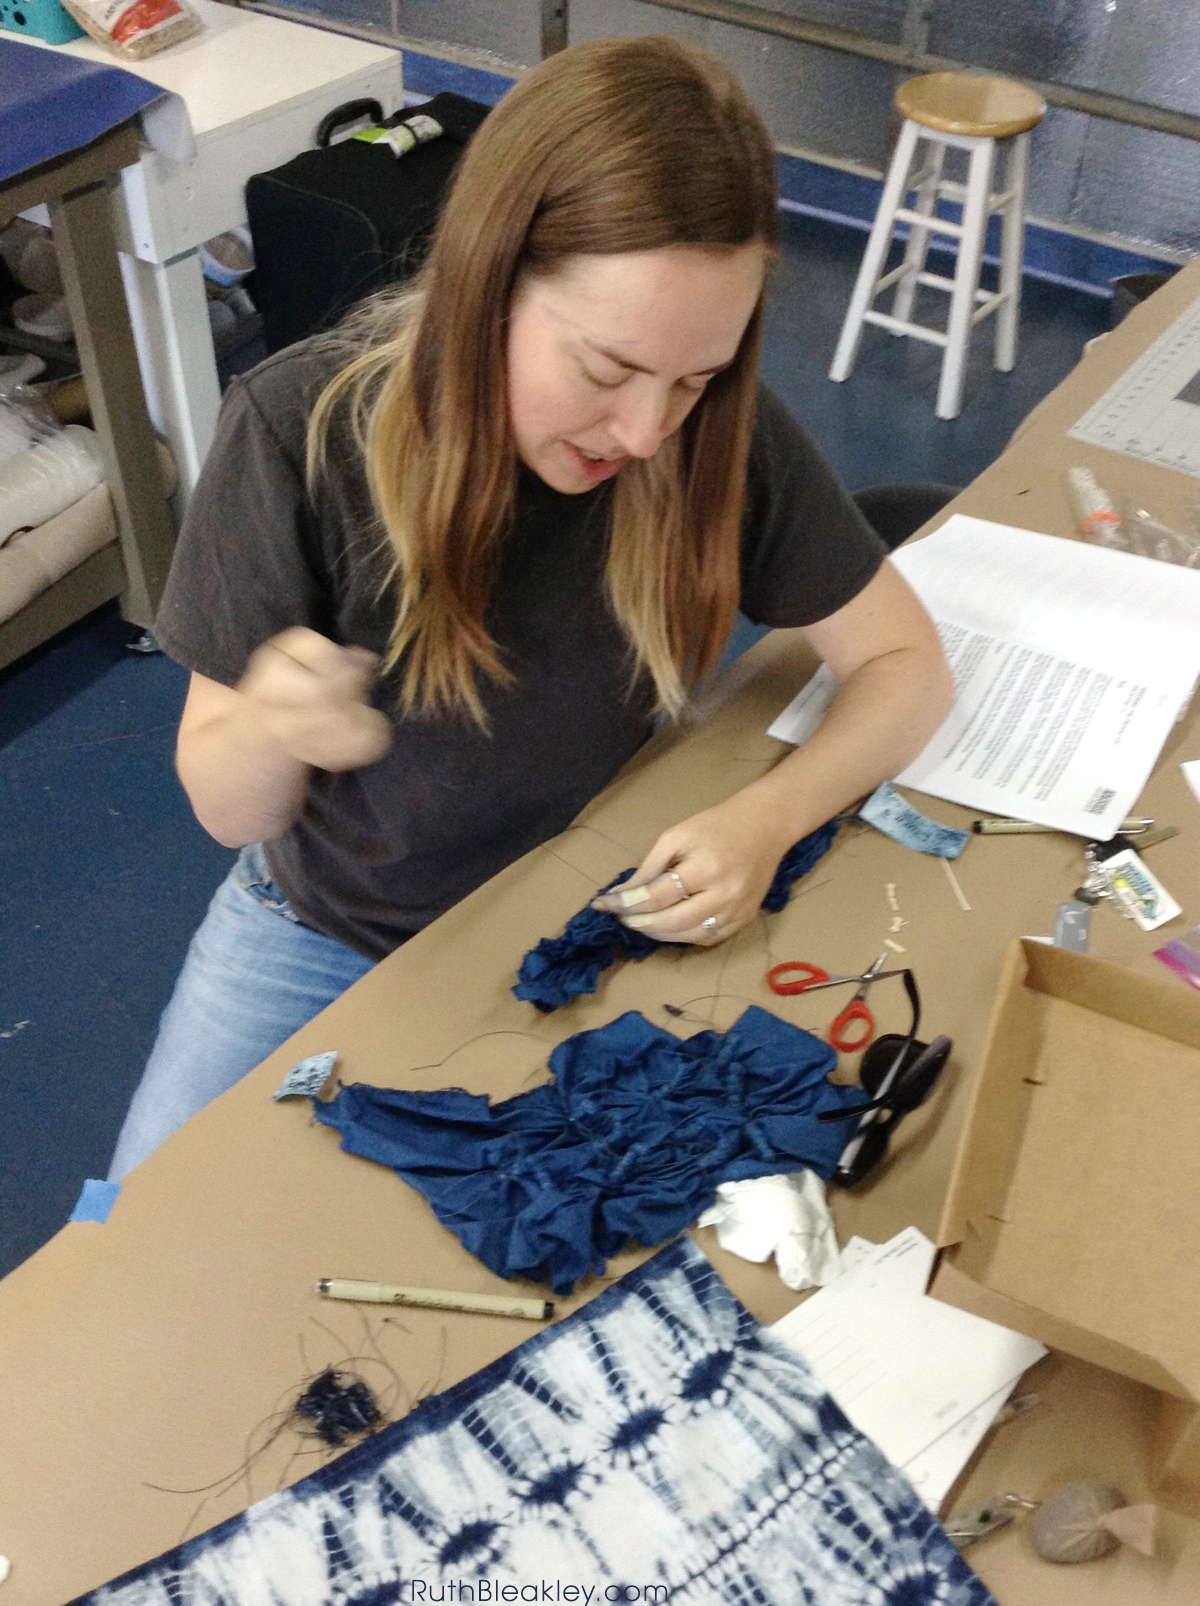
<point>658,1445</point>
<point>561,968</point>
<point>626,1144</point>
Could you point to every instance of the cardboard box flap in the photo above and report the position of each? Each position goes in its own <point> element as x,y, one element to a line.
<point>1075,1184</point>
<point>984,1161</point>
<point>952,1285</point>
<point>1157,1004</point>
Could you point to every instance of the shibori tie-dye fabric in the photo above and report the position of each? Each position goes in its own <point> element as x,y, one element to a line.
<point>658,1445</point>
<point>627,1143</point>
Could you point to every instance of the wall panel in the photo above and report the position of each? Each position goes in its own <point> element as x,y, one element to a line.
<point>1088,173</point>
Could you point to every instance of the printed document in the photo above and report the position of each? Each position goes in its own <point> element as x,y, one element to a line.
<point>922,1379</point>
<point>1071,663</point>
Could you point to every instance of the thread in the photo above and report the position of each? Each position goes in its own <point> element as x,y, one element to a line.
<point>680,1011</point>
<point>339,1406</point>
<point>436,1065</point>
<point>334,1398</point>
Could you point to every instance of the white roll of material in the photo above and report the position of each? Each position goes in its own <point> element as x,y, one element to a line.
<point>42,480</point>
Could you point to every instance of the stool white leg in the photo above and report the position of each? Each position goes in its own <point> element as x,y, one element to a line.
<point>1012,252</point>
<point>966,277</point>
<point>877,246</point>
<point>918,237</point>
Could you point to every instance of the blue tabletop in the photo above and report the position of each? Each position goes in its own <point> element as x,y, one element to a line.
<point>52,104</point>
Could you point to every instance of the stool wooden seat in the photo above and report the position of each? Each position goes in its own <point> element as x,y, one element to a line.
<point>970,103</point>
<point>980,115</point>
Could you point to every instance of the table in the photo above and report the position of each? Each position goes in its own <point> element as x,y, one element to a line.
<point>141,1355</point>
<point>255,88</point>
<point>77,187</point>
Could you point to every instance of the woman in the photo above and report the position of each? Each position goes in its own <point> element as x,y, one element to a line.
<point>442,573</point>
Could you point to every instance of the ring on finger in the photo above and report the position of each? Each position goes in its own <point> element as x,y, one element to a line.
<point>678,880</point>
<point>710,925</point>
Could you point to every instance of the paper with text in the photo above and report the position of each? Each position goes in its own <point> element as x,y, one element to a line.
<point>1071,663</point>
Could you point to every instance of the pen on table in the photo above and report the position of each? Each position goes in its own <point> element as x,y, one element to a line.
<point>1131,827</point>
<point>533,1310</point>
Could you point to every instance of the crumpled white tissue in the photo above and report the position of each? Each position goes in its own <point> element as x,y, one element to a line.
<point>784,1216</point>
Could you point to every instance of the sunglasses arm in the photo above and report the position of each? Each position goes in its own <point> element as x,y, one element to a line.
<point>851,1112</point>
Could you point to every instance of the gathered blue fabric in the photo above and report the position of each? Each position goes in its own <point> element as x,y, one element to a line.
<point>797,861</point>
<point>561,968</point>
<point>626,1144</point>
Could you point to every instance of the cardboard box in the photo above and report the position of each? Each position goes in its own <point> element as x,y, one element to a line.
<point>1073,1212</point>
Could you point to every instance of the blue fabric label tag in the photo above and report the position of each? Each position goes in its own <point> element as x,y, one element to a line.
<point>888,812</point>
<point>95,1200</point>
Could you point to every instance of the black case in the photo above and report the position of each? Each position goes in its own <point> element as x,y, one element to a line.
<point>337,222</point>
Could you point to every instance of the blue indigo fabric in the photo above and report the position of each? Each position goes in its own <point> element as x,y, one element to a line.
<point>656,1446</point>
<point>797,861</point>
<point>561,968</point>
<point>626,1144</point>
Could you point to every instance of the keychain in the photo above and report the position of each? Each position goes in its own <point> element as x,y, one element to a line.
<point>1118,873</point>
<point>983,1521</point>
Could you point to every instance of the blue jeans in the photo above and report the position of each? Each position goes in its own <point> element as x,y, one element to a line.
<point>253,975</point>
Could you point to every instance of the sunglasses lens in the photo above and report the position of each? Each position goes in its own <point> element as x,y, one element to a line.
<point>916,1076</point>
<point>879,1059</point>
<point>921,1077</point>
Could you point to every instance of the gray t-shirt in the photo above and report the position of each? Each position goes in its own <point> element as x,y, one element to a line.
<point>381,851</point>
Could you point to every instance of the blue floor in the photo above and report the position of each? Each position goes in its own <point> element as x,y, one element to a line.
<point>106,873</point>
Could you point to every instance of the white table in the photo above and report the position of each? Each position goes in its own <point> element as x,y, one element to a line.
<point>255,89</point>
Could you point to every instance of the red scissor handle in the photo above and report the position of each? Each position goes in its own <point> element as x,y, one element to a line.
<point>857,1014</point>
<point>806,976</point>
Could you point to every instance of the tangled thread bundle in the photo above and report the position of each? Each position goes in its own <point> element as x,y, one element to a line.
<point>338,1407</point>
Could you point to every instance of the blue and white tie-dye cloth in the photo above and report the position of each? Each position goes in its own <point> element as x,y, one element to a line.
<point>658,1445</point>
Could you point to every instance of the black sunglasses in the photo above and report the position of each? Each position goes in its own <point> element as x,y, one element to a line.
<point>898,1073</point>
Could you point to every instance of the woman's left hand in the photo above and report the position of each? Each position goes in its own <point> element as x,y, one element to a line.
<point>704,878</point>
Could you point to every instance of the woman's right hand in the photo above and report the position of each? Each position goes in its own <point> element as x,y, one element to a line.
<point>310,698</point>
<point>246,753</point>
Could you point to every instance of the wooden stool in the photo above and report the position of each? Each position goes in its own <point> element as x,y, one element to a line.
<point>973,113</point>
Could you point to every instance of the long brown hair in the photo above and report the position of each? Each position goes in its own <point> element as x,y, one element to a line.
<point>618,145</point>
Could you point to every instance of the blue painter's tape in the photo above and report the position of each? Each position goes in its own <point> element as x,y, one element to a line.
<point>95,1200</point>
<point>892,814</point>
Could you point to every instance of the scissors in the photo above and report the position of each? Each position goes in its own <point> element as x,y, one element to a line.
<point>796,976</point>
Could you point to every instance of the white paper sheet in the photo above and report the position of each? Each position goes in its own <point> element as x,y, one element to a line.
<point>933,1471</point>
<point>920,1378</point>
<point>1071,663</point>
<point>806,709</point>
